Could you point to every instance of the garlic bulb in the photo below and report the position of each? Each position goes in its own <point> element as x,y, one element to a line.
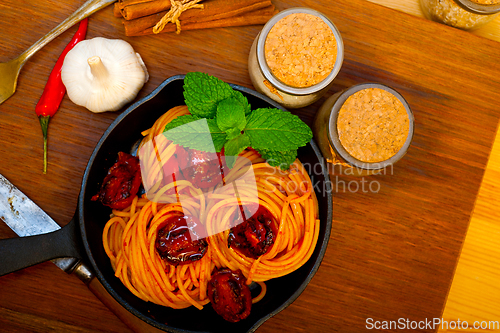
<point>103,74</point>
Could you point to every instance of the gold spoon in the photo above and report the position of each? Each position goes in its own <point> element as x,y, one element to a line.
<point>9,71</point>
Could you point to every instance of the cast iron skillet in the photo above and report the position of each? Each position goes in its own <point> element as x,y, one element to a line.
<point>91,216</point>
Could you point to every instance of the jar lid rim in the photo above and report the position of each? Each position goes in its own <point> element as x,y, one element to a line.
<point>478,8</point>
<point>266,71</point>
<point>335,141</point>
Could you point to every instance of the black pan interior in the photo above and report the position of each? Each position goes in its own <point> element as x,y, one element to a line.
<point>122,134</point>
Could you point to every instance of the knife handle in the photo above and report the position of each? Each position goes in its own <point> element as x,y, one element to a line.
<point>134,323</point>
<point>21,252</point>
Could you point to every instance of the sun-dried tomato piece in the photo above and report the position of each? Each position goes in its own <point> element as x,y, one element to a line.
<point>121,184</point>
<point>255,236</point>
<point>230,295</point>
<point>174,242</point>
<point>202,169</point>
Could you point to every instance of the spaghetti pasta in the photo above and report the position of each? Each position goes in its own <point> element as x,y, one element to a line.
<point>130,235</point>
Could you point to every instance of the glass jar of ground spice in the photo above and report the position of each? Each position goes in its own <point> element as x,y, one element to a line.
<point>295,57</point>
<point>462,14</point>
<point>364,129</point>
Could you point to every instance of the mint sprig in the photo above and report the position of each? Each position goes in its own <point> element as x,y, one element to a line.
<point>222,118</point>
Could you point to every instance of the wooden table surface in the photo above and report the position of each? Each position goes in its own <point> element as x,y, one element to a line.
<point>392,254</point>
<point>474,294</point>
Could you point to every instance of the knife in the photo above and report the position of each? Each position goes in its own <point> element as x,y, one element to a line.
<point>20,214</point>
<point>28,220</point>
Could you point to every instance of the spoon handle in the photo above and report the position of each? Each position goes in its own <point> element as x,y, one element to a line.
<point>87,9</point>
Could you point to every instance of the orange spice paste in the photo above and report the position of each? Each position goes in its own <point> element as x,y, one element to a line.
<point>300,50</point>
<point>373,125</point>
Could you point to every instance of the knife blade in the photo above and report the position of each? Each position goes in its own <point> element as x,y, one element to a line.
<point>25,218</point>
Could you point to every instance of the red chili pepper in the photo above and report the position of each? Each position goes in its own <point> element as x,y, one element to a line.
<point>54,90</point>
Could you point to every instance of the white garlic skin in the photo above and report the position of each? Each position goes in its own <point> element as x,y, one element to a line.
<point>126,74</point>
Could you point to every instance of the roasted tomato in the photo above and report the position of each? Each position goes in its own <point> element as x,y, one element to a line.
<point>230,295</point>
<point>121,184</point>
<point>174,242</point>
<point>201,168</point>
<point>255,235</point>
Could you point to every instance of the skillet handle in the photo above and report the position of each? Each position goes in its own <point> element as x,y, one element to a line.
<point>134,323</point>
<point>22,252</point>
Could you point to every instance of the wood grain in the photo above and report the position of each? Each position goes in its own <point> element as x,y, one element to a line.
<point>474,295</point>
<point>392,254</point>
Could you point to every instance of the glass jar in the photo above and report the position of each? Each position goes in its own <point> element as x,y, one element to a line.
<point>364,129</point>
<point>295,57</point>
<point>462,14</point>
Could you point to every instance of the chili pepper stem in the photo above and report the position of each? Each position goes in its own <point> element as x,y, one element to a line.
<point>44,122</point>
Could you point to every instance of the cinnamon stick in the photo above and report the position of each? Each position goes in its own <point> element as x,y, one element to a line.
<point>134,11</point>
<point>213,10</point>
<point>116,10</point>
<point>260,16</point>
<point>219,9</point>
<point>140,24</point>
<point>124,3</point>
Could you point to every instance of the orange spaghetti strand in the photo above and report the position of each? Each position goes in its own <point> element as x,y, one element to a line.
<point>260,296</point>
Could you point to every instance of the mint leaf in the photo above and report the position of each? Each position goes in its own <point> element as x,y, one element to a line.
<point>218,137</point>
<point>202,92</point>
<point>278,130</point>
<point>243,100</point>
<point>231,115</point>
<point>195,133</point>
<point>234,147</point>
<point>281,159</point>
<point>232,133</point>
